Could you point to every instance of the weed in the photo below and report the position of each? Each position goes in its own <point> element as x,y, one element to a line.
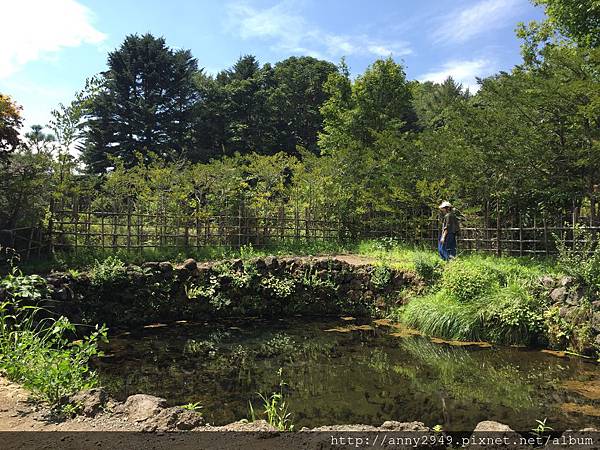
<point>278,287</point>
<point>109,271</point>
<point>195,407</point>
<point>275,408</point>
<point>381,276</point>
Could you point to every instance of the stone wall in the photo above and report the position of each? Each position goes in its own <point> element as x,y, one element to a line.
<point>263,287</point>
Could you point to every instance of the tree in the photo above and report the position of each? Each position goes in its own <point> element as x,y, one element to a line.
<point>298,99</point>
<point>10,124</point>
<point>576,19</point>
<point>145,103</point>
<point>432,100</point>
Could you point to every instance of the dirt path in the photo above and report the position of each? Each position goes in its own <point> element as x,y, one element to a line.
<point>17,413</point>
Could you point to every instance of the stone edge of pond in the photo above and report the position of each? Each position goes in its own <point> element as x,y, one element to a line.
<point>150,414</point>
<point>278,287</point>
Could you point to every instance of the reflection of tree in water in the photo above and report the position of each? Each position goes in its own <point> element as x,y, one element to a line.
<point>454,372</point>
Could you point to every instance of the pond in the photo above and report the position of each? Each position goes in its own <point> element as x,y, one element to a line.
<point>346,372</point>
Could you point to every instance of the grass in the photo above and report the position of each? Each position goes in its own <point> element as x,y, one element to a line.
<point>40,351</point>
<point>85,258</point>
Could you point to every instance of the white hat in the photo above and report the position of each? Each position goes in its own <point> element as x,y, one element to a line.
<point>445,204</point>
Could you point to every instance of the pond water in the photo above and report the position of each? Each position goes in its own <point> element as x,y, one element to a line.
<point>344,372</point>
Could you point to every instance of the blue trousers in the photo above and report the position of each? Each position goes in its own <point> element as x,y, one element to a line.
<point>447,250</point>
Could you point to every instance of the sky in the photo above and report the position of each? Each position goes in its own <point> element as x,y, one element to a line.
<point>49,47</point>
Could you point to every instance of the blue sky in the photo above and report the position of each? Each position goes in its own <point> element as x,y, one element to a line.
<point>49,47</point>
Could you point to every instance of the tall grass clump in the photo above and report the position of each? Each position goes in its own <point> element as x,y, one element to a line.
<point>481,298</point>
<point>39,351</point>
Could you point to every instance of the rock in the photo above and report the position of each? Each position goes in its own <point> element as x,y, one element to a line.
<point>394,425</point>
<point>271,263</point>
<point>190,264</point>
<point>90,401</point>
<point>260,264</point>
<point>491,426</point>
<point>567,281</point>
<point>258,426</point>
<point>151,265</point>
<point>176,418</point>
<point>559,294</point>
<point>498,433</point>
<point>165,267</point>
<point>597,341</point>
<point>547,281</point>
<point>237,264</point>
<point>141,407</point>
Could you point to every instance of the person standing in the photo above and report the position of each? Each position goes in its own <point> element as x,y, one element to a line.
<point>450,228</point>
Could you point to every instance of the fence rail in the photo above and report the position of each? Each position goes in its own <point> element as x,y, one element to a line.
<point>73,230</point>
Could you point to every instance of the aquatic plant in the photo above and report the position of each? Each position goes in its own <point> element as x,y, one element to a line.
<point>275,408</point>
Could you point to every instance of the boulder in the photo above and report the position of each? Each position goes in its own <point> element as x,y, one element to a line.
<point>258,426</point>
<point>394,425</point>
<point>547,281</point>
<point>567,281</point>
<point>559,294</point>
<point>151,265</point>
<point>175,418</point>
<point>492,427</point>
<point>190,264</point>
<point>165,267</point>
<point>495,435</point>
<point>90,402</point>
<point>271,263</point>
<point>141,407</point>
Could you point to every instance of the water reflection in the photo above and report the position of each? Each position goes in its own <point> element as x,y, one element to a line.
<point>365,375</point>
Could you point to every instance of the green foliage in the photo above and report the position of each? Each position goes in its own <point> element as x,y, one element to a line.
<point>195,407</point>
<point>279,287</point>
<point>381,276</point>
<point>38,351</point>
<point>312,279</point>
<point>107,272</point>
<point>275,408</point>
<point>427,266</point>
<point>581,258</point>
<point>467,281</point>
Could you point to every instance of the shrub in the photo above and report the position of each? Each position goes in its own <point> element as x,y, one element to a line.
<point>381,276</point>
<point>38,351</point>
<point>427,266</point>
<point>582,259</point>
<point>278,287</point>
<point>467,281</point>
<point>109,271</point>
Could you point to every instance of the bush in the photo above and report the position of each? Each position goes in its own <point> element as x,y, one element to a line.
<point>467,281</point>
<point>581,260</point>
<point>109,271</point>
<point>38,351</point>
<point>427,266</point>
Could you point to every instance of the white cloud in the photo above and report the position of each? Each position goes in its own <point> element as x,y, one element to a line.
<point>34,29</point>
<point>290,32</point>
<point>463,71</point>
<point>484,16</point>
